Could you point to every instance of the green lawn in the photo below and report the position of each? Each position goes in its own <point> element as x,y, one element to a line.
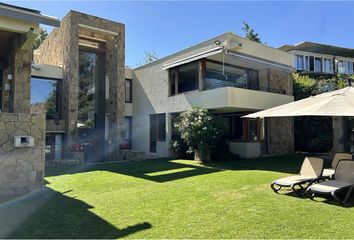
<point>174,199</point>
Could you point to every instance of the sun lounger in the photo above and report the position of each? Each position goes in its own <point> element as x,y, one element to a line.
<point>311,171</point>
<point>343,182</point>
<point>328,172</point>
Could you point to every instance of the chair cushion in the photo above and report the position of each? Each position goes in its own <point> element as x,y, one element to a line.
<point>288,181</point>
<point>329,186</point>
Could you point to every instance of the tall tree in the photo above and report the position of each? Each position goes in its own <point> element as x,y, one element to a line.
<point>43,34</point>
<point>250,33</point>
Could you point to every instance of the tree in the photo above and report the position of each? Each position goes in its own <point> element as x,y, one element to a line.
<point>250,33</point>
<point>201,131</point>
<point>43,34</point>
<point>150,56</point>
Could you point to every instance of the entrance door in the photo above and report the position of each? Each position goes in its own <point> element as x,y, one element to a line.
<point>53,146</point>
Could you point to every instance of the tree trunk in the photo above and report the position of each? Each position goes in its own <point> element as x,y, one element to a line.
<point>202,155</point>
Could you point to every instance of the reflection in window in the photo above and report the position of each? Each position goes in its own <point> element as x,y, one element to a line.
<point>184,78</point>
<point>341,67</point>
<point>45,93</point>
<point>327,65</point>
<point>299,61</point>
<point>218,76</point>
<point>318,64</point>
<point>87,75</point>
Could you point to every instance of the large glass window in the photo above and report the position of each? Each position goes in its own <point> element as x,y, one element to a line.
<point>184,78</point>
<point>327,65</point>
<point>341,67</point>
<point>87,75</point>
<point>350,67</point>
<point>128,131</point>
<point>157,130</point>
<point>241,130</point>
<point>318,64</point>
<point>218,75</point>
<point>299,62</point>
<point>45,94</point>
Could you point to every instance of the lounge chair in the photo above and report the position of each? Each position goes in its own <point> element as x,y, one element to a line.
<point>329,172</point>
<point>311,171</point>
<point>343,182</point>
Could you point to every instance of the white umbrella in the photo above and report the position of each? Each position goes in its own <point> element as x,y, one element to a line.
<point>335,103</point>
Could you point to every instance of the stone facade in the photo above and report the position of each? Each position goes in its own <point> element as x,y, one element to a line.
<point>281,135</point>
<point>17,99</point>
<point>280,81</point>
<point>65,54</point>
<point>22,169</point>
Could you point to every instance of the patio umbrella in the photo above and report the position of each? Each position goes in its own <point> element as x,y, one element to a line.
<point>334,103</point>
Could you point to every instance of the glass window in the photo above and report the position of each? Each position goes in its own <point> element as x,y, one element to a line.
<point>128,90</point>
<point>252,130</point>
<point>327,65</point>
<point>128,131</point>
<point>318,64</point>
<point>218,76</point>
<point>350,67</point>
<point>299,62</point>
<point>87,76</point>
<point>45,94</point>
<point>157,130</point>
<point>341,67</point>
<point>306,63</point>
<point>311,63</point>
<point>187,77</point>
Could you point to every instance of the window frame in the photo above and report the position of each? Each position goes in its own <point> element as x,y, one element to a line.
<point>130,100</point>
<point>58,114</point>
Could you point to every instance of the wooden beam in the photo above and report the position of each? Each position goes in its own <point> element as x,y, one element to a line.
<point>202,69</point>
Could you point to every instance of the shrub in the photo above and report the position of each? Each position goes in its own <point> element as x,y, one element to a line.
<point>199,129</point>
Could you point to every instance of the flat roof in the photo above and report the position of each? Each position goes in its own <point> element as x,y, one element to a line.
<point>27,14</point>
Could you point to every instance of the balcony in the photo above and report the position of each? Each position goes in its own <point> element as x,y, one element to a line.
<point>228,99</point>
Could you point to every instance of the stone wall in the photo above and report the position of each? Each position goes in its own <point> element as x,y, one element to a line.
<point>281,135</point>
<point>280,81</point>
<point>19,66</point>
<point>65,54</point>
<point>22,169</point>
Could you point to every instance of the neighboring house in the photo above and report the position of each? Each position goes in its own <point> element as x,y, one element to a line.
<point>321,58</point>
<point>229,75</point>
<point>84,90</point>
<point>21,133</point>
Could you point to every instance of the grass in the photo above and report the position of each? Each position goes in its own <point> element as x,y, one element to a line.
<point>174,199</point>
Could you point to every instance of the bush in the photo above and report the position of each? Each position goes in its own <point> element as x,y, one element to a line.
<point>199,129</point>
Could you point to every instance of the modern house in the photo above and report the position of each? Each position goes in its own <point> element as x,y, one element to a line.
<point>229,75</point>
<point>321,58</point>
<point>21,132</point>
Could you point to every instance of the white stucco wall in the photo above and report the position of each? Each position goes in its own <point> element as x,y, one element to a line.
<point>246,150</point>
<point>150,93</point>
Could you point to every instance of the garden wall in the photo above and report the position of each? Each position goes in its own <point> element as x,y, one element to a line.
<point>21,168</point>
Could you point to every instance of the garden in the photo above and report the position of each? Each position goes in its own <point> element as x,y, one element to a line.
<point>165,198</point>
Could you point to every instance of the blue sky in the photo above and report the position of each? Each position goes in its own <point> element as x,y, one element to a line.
<point>167,27</point>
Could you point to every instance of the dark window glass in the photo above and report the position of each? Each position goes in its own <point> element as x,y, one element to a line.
<point>252,130</point>
<point>128,90</point>
<point>45,94</point>
<point>312,64</point>
<point>187,78</point>
<point>218,76</point>
<point>157,130</point>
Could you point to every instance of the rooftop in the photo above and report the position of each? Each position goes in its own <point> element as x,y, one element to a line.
<point>320,48</point>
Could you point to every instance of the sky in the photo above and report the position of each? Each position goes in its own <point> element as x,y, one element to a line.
<point>168,27</point>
